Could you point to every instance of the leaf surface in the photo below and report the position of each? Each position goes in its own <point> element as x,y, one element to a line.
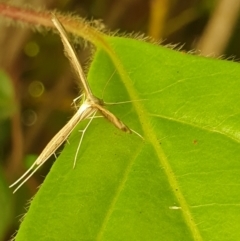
<point>180,183</point>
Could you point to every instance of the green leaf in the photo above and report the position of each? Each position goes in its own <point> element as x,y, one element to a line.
<point>7,106</point>
<point>180,183</point>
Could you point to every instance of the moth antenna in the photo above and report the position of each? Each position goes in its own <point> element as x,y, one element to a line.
<point>108,82</point>
<point>123,102</point>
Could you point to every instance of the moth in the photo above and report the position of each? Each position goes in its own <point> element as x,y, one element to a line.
<point>89,107</point>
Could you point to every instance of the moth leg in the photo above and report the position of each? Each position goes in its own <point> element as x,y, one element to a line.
<point>80,142</point>
<point>76,99</point>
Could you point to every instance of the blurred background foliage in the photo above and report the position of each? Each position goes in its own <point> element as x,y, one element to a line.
<point>37,85</point>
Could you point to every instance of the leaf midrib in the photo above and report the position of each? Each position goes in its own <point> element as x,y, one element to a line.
<point>151,137</point>
<point>176,189</point>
